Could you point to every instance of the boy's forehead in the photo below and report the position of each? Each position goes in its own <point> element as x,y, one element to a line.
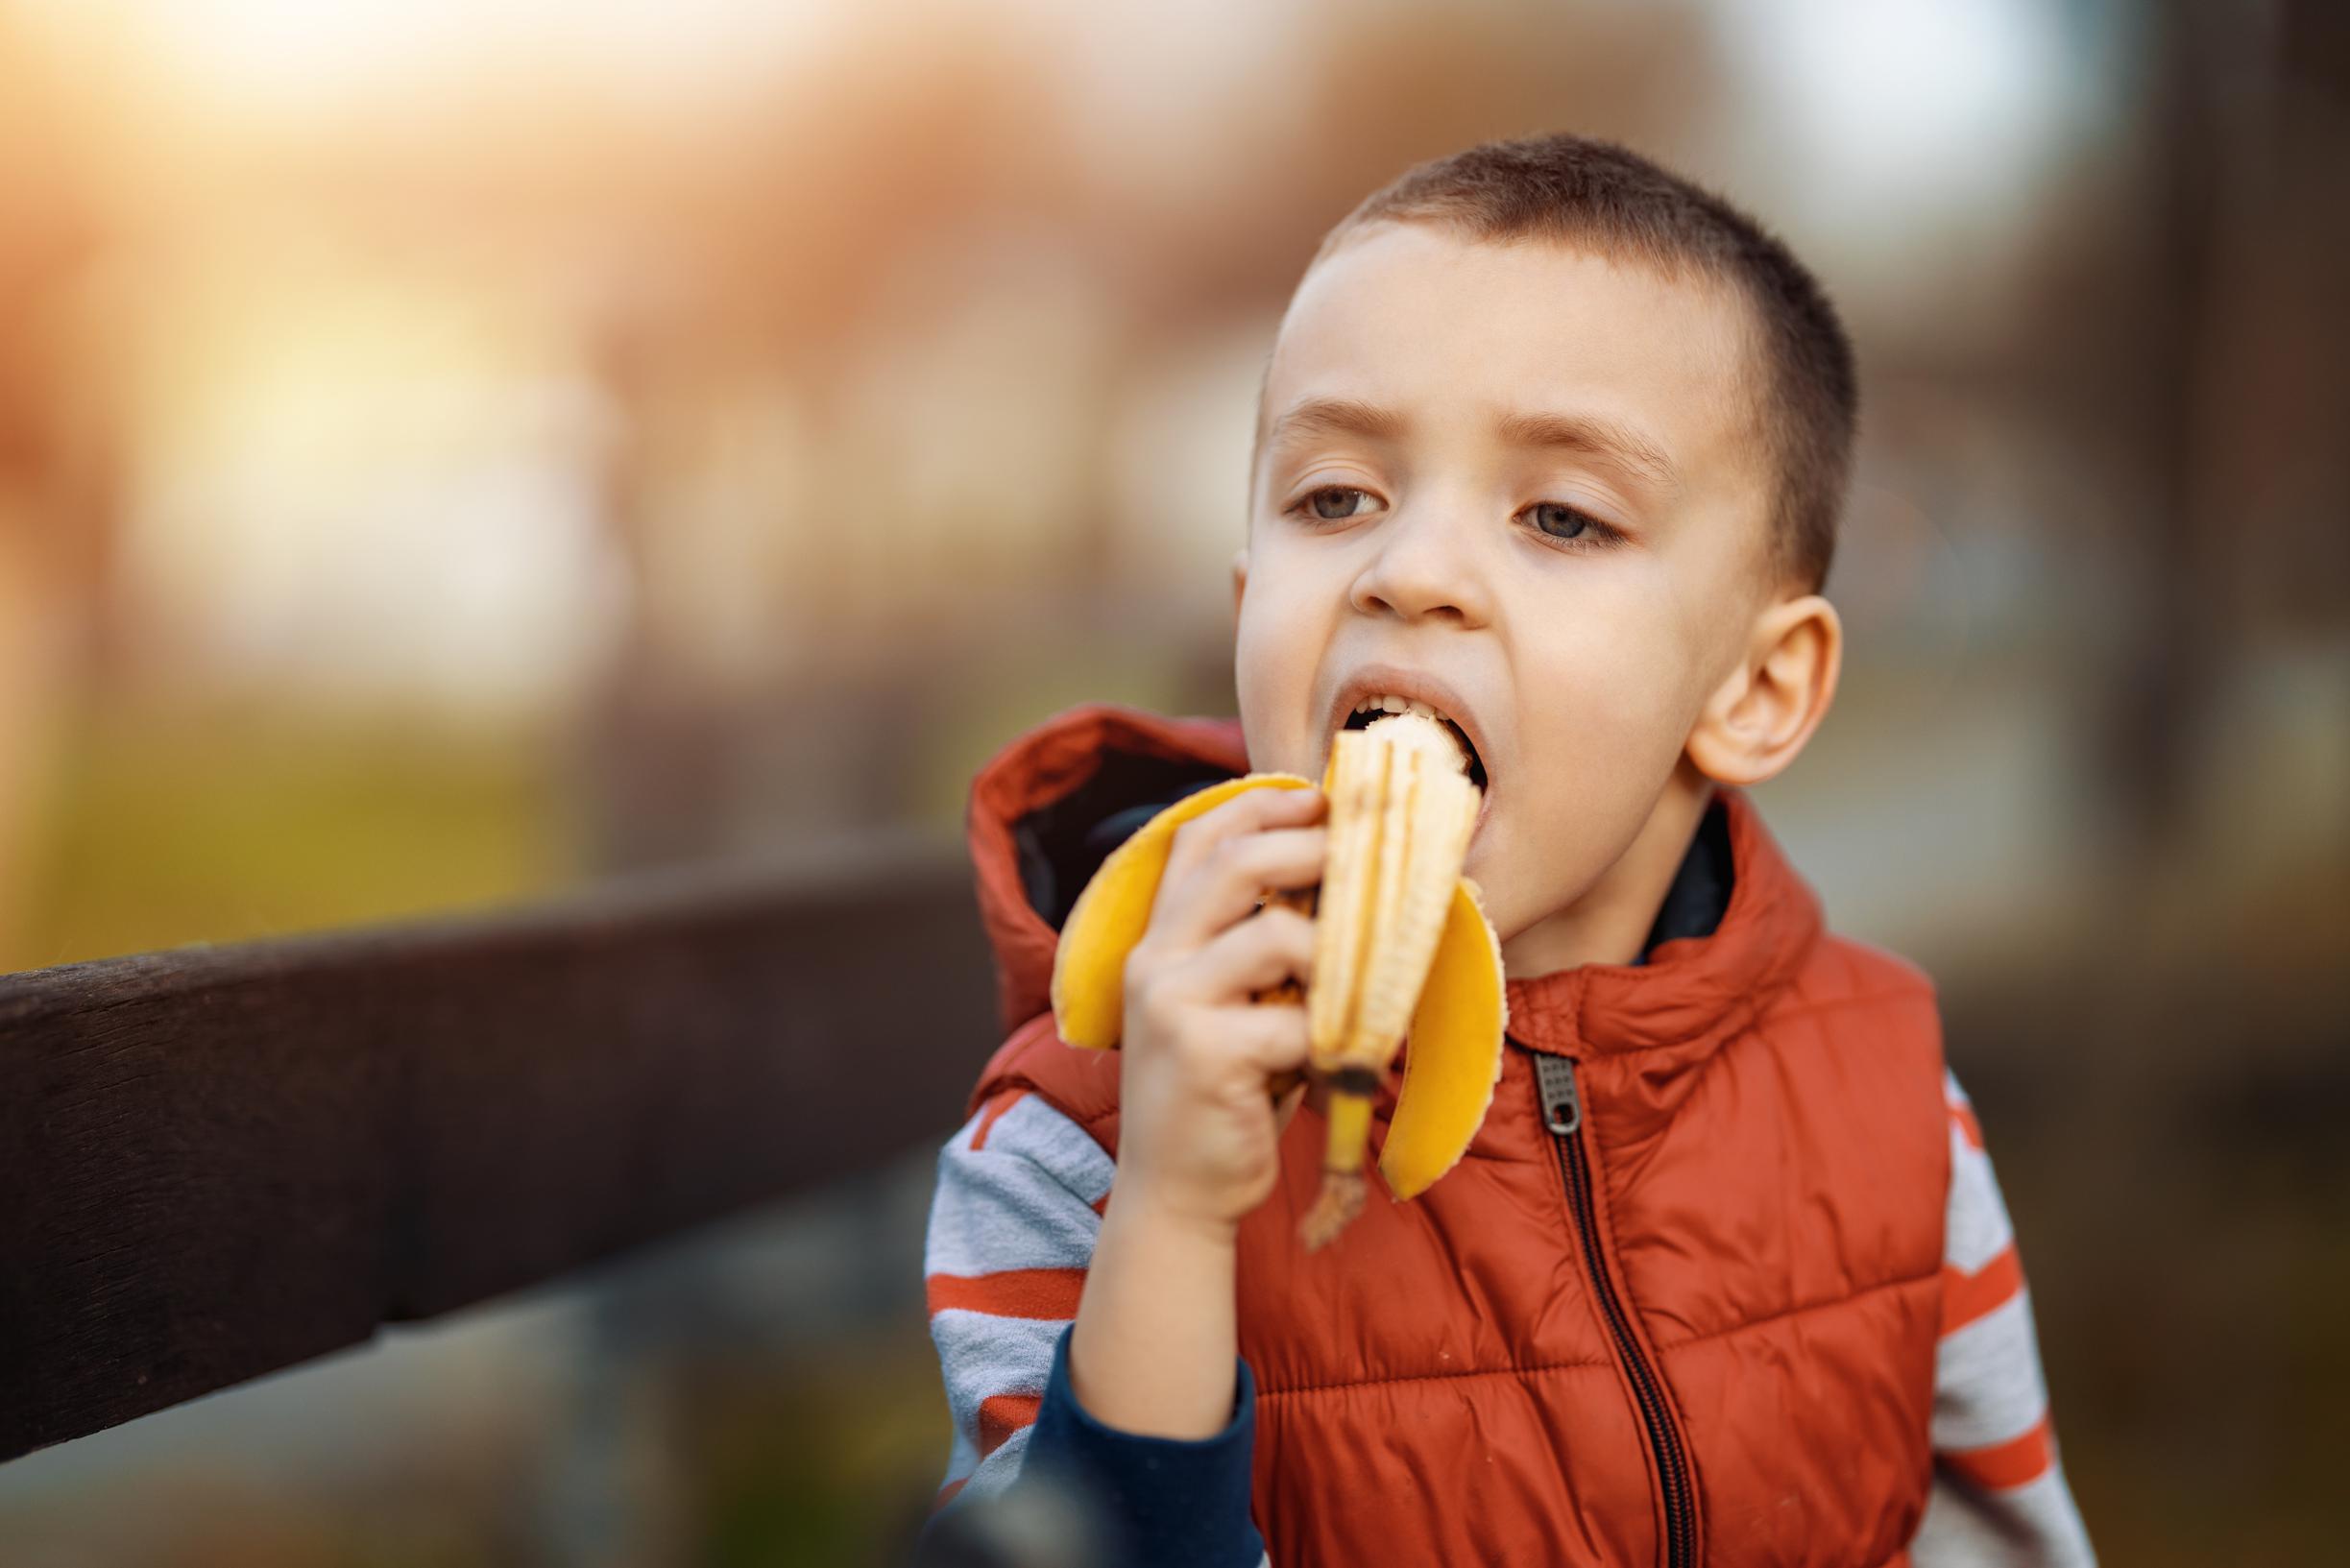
<point>1436,327</point>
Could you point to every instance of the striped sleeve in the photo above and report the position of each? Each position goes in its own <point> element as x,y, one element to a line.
<point>1998,1494</point>
<point>1013,1220</point>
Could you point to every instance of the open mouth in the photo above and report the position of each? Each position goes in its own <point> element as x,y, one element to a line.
<point>1371,709</point>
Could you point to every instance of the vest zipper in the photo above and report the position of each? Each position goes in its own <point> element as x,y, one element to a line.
<point>1562,1116</point>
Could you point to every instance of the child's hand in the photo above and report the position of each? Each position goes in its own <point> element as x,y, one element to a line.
<point>1199,1127</point>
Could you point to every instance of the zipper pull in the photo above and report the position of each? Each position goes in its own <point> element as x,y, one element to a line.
<point>1562,1105</point>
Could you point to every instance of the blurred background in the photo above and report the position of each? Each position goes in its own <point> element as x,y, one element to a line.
<point>456,451</point>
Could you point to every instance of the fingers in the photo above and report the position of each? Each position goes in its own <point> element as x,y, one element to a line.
<point>1268,1039</point>
<point>1232,879</point>
<point>1252,955</point>
<point>1252,810</point>
<point>1216,879</point>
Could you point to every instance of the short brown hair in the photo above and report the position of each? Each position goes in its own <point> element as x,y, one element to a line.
<point>1598,194</point>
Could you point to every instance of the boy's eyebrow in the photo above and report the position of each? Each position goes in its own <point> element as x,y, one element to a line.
<point>1338,417</point>
<point>1598,436</point>
<point>1594,434</point>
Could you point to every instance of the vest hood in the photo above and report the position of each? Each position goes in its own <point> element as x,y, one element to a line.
<point>1049,805</point>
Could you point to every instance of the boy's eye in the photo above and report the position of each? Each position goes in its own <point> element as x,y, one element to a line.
<point>1560,520</point>
<point>1556,519</point>
<point>1333,503</point>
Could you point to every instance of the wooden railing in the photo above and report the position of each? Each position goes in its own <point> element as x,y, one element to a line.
<point>216,1162</point>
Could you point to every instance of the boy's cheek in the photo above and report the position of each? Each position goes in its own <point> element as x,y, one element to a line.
<point>1615,693</point>
<point>1585,774</point>
<point>1272,669</point>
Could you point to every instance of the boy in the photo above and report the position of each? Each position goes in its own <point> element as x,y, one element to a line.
<point>1555,442</point>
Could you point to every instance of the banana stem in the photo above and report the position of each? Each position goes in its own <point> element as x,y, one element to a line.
<point>1343,1187</point>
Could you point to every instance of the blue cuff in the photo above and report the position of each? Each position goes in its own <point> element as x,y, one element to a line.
<point>1171,1499</point>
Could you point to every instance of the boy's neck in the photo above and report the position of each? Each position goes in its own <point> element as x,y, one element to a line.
<point>1611,923</point>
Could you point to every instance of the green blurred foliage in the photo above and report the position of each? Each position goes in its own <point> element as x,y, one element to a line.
<point>174,827</point>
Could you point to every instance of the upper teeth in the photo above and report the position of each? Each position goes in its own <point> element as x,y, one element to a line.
<point>1384,704</point>
<point>1387,703</point>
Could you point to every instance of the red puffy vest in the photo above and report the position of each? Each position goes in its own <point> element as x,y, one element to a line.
<point>1677,1305</point>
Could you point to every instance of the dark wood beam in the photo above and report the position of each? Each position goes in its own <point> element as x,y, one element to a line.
<point>220,1161</point>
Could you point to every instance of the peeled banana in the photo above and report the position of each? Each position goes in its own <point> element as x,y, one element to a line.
<point>1402,947</point>
<point>1401,808</point>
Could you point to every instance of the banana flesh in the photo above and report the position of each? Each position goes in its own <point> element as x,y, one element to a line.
<point>1402,810</point>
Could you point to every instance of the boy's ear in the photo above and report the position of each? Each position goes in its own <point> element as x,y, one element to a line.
<point>1759,718</point>
<point>1239,578</point>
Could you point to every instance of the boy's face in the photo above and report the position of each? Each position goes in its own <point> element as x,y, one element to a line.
<point>1579,598</point>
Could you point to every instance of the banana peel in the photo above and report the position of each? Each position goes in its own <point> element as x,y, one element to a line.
<point>1402,951</point>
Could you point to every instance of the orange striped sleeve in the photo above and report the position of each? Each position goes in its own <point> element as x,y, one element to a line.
<point>1968,1297</point>
<point>2000,1467</point>
<point>1003,1101</point>
<point>1012,1292</point>
<point>1013,1223</point>
<point>1002,1414</point>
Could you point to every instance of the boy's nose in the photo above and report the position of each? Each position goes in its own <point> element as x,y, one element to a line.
<point>1423,564</point>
